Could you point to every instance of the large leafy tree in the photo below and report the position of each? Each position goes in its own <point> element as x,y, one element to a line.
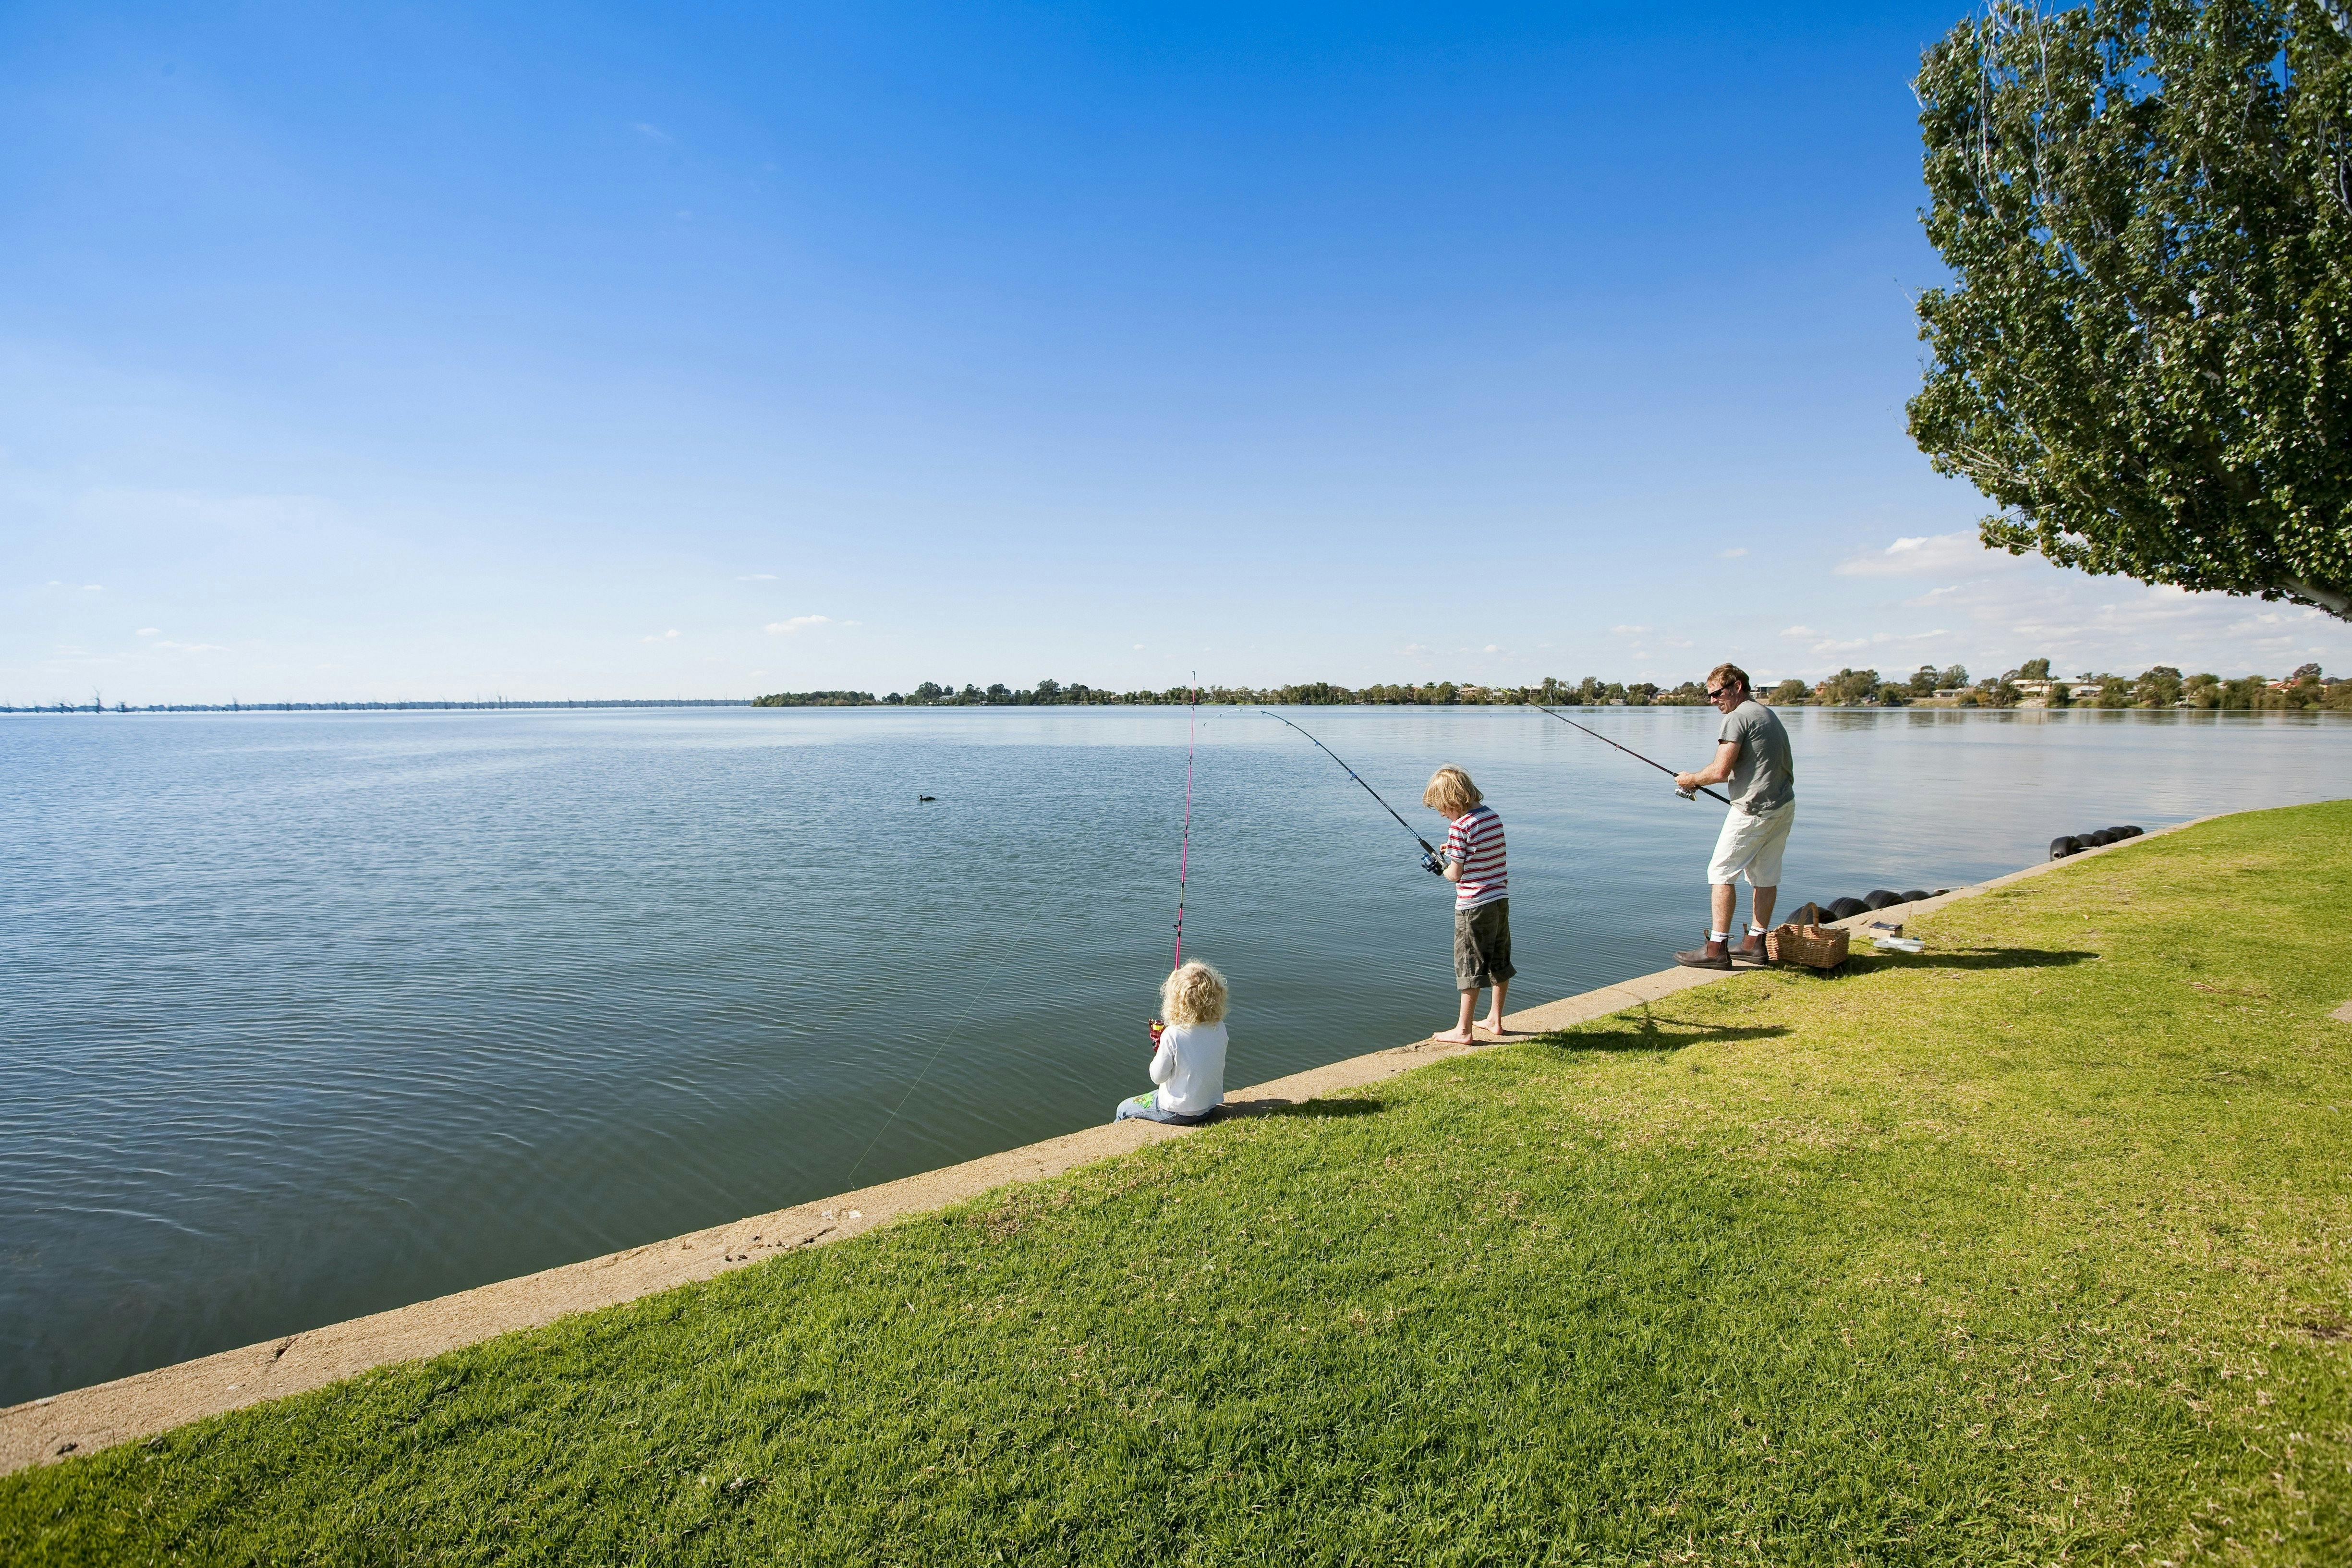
<point>2145,357</point>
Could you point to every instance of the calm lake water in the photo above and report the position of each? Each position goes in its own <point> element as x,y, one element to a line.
<point>303,1017</point>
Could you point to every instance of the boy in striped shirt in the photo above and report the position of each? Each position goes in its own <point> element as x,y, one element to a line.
<point>1482,906</point>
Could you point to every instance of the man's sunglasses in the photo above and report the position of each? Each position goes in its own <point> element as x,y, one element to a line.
<point>1714,692</point>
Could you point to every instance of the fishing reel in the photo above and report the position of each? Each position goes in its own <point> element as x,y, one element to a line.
<point>1432,864</point>
<point>1687,794</point>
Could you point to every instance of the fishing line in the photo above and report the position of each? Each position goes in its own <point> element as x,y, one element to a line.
<point>983,994</point>
<point>1428,851</point>
<point>1627,750</point>
<point>1184,856</point>
<point>988,990</point>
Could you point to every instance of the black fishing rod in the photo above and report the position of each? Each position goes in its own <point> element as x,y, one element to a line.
<point>1428,851</point>
<point>1628,752</point>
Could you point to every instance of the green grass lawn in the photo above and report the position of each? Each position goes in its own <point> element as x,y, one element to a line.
<point>2029,1250</point>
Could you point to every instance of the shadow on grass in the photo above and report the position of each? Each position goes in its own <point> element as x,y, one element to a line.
<point>1322,1109</point>
<point>1866,960</point>
<point>1652,1033</point>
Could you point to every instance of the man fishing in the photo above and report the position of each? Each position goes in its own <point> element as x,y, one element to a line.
<point>1752,753</point>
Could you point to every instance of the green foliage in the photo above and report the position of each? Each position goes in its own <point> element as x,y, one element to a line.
<point>1789,694</point>
<point>2026,1250</point>
<point>1851,687</point>
<point>816,699</point>
<point>2159,687</point>
<point>2146,358</point>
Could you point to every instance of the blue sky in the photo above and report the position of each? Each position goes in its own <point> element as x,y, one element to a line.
<point>577,352</point>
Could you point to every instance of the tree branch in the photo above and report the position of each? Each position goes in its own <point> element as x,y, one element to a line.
<point>2339,604</point>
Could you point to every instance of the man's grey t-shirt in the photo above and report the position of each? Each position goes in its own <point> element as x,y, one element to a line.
<point>1764,778</point>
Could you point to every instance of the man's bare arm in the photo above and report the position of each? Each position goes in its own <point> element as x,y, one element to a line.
<point>1726,756</point>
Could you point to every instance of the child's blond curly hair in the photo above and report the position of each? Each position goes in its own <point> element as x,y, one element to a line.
<point>1194,995</point>
<point>1451,791</point>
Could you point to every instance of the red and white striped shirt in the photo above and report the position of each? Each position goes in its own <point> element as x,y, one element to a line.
<point>1474,843</point>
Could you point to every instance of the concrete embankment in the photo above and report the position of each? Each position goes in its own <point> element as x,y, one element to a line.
<point>88,1419</point>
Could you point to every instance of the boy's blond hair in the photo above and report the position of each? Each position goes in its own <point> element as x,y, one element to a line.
<point>1194,995</point>
<point>1451,791</point>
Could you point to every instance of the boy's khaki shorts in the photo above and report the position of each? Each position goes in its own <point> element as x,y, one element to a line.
<point>1482,945</point>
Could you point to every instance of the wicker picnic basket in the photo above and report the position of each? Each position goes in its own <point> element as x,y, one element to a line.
<point>1815,946</point>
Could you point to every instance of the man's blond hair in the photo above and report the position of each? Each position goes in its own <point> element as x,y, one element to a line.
<point>1194,995</point>
<point>1723,673</point>
<point>1451,791</point>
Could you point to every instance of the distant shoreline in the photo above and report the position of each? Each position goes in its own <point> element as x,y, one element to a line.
<point>1942,705</point>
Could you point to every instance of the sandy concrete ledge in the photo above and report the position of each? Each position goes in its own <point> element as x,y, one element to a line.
<point>86,1419</point>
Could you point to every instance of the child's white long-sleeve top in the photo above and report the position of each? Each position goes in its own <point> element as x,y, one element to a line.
<point>1190,1068</point>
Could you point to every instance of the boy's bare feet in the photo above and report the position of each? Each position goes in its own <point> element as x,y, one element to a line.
<point>1455,1038</point>
<point>1495,1027</point>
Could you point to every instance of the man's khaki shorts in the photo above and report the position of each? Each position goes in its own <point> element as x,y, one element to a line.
<point>1482,945</point>
<point>1752,844</point>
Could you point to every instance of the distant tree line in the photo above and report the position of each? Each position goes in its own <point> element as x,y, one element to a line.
<point>2032,684</point>
<point>816,699</point>
<point>2029,685</point>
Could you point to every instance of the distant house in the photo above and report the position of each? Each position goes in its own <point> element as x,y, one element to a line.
<point>2040,691</point>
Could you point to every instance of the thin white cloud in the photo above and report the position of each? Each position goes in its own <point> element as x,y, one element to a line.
<point>1492,648</point>
<point>1930,555</point>
<point>797,624</point>
<point>654,133</point>
<point>1626,631</point>
<point>1931,595</point>
<point>1876,639</point>
<point>757,577</point>
<point>190,647</point>
<point>1733,554</point>
<point>663,636</point>
<point>1799,632</point>
<point>93,587</point>
<point>151,631</point>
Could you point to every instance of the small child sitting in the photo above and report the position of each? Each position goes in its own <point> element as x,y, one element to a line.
<point>1188,1056</point>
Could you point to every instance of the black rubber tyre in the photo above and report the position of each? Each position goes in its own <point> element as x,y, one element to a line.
<point>1880,898</point>
<point>1914,895</point>
<point>2062,847</point>
<point>2093,840</point>
<point>2129,832</point>
<point>1846,908</point>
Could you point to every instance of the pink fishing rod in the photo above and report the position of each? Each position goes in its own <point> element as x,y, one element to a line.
<point>1184,856</point>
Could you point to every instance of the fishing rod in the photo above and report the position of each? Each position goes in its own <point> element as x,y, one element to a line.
<point>1628,752</point>
<point>1428,851</point>
<point>1184,856</point>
